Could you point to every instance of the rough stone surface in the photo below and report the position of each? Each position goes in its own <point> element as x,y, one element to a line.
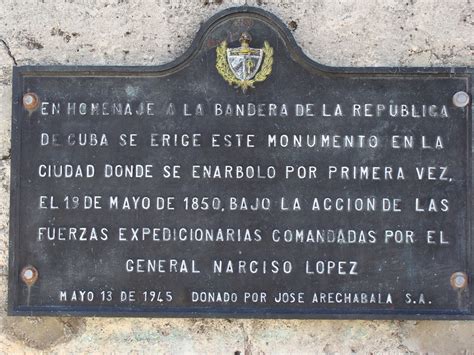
<point>146,32</point>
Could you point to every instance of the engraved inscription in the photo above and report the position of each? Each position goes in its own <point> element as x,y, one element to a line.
<point>312,193</point>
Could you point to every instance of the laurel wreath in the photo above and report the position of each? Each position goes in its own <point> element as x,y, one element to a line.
<point>224,70</point>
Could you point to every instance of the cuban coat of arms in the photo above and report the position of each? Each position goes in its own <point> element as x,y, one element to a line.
<point>244,66</point>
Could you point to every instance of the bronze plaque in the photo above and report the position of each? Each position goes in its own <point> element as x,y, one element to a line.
<point>242,180</point>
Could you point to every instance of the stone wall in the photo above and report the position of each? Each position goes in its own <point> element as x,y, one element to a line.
<point>149,32</point>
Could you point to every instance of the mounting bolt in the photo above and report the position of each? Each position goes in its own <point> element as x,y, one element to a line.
<point>460,99</point>
<point>29,275</point>
<point>459,280</point>
<point>30,101</point>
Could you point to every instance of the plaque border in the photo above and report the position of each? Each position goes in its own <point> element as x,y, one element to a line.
<point>297,54</point>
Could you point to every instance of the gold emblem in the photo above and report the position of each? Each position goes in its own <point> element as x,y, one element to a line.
<point>244,66</point>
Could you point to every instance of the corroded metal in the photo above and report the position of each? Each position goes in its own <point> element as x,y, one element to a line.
<point>459,280</point>
<point>29,275</point>
<point>31,101</point>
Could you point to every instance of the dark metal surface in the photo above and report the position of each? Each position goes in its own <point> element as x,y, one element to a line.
<point>387,276</point>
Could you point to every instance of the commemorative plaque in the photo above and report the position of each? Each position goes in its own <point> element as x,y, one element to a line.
<point>242,180</point>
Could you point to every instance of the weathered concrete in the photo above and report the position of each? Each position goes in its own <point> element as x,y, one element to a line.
<point>145,32</point>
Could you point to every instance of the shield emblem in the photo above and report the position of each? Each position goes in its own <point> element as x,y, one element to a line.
<point>244,66</point>
<point>244,62</point>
